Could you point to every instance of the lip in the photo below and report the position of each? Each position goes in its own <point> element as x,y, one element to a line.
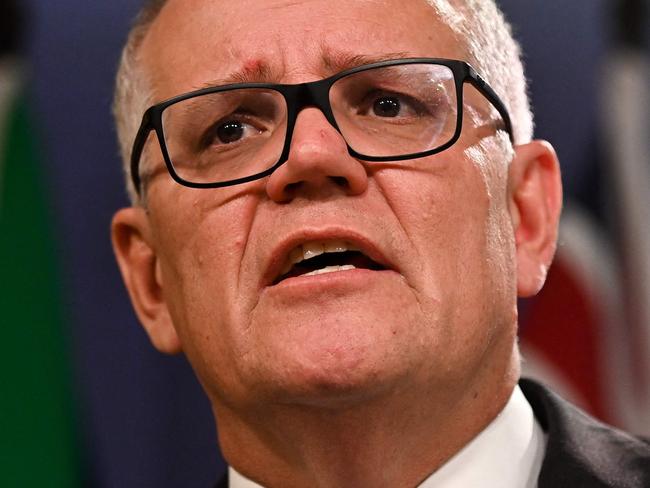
<point>280,252</point>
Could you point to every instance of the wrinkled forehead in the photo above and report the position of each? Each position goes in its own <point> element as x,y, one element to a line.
<point>194,43</point>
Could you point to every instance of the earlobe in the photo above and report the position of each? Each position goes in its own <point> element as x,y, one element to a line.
<point>140,268</point>
<point>535,202</point>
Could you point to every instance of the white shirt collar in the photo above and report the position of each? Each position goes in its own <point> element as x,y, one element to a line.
<point>508,453</point>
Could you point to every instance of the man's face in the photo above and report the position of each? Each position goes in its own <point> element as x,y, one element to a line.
<point>440,307</point>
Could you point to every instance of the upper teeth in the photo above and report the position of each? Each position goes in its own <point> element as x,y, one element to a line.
<point>312,249</point>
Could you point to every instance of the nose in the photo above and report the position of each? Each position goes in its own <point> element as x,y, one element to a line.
<point>319,163</point>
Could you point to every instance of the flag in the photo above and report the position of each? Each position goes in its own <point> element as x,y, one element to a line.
<point>588,331</point>
<point>37,439</point>
<point>625,108</point>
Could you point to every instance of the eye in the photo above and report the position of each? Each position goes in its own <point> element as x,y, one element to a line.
<point>230,131</point>
<point>387,107</point>
<point>390,105</point>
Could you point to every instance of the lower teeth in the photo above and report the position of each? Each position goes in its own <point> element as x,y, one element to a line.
<point>330,269</point>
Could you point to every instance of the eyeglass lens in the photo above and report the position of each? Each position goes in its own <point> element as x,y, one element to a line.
<point>382,112</point>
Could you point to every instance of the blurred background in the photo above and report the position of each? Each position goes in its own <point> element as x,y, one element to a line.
<point>86,401</point>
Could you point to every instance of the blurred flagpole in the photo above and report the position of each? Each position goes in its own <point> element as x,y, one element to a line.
<point>9,79</point>
<point>8,84</point>
<point>625,118</point>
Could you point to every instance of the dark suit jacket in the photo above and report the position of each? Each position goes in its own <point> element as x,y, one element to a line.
<point>580,452</point>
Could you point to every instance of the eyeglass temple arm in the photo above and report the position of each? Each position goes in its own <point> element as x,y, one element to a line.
<point>487,91</point>
<point>136,151</point>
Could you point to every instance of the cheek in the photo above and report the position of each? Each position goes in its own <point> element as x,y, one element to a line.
<point>205,233</point>
<point>444,214</point>
<point>201,249</point>
<point>454,225</point>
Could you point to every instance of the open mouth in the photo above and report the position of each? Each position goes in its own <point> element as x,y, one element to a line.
<point>317,257</point>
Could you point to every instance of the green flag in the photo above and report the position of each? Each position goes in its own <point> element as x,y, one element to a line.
<point>37,440</point>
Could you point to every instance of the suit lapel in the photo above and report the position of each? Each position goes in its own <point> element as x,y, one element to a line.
<point>582,452</point>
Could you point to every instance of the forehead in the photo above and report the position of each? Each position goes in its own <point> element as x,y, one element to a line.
<point>196,42</point>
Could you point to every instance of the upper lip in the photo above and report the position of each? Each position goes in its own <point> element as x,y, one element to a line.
<point>280,252</point>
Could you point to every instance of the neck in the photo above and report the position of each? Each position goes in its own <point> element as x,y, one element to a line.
<point>393,441</point>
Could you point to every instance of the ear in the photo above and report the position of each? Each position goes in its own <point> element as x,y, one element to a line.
<point>535,203</point>
<point>140,267</point>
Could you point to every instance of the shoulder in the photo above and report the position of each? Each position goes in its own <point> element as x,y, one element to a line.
<point>583,452</point>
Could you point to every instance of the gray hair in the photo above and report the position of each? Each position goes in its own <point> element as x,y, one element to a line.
<point>479,24</point>
<point>132,90</point>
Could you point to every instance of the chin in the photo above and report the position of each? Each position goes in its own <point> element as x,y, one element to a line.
<point>336,370</point>
<point>334,349</point>
<point>335,387</point>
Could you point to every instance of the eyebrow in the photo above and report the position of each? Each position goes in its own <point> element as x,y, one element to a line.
<point>254,72</point>
<point>337,61</point>
<point>260,71</point>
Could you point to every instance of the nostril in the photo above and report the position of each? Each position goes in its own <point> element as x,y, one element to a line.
<point>341,181</point>
<point>291,187</point>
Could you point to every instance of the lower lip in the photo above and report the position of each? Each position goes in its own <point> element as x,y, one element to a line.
<point>353,278</point>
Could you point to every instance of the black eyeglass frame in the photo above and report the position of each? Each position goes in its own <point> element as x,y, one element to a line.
<point>312,94</point>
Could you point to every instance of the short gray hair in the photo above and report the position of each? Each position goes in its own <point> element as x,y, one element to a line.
<point>132,90</point>
<point>480,24</point>
<point>493,51</point>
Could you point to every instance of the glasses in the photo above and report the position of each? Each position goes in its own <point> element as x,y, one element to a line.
<point>387,111</point>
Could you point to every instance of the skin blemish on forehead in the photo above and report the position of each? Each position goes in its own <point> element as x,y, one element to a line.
<point>254,66</point>
<point>255,70</point>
